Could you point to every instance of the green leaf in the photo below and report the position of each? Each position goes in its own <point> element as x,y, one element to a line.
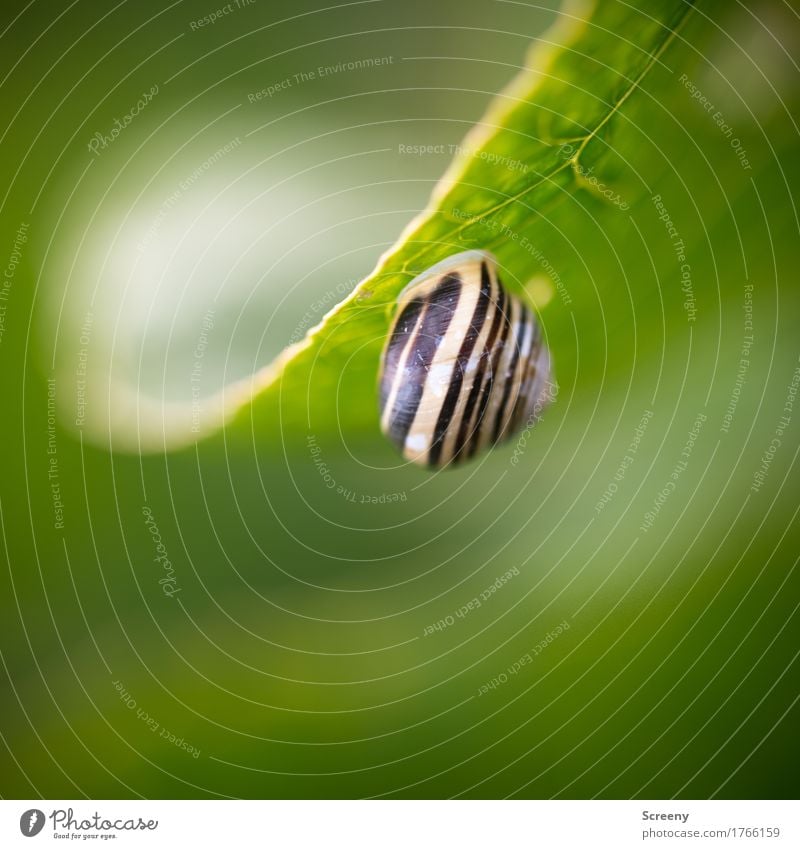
<point>542,140</point>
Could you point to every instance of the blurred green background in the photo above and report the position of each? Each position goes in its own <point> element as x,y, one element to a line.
<point>293,653</point>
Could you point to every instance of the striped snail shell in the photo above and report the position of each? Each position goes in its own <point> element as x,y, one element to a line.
<point>464,365</point>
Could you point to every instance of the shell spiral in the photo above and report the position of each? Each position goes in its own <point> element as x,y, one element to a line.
<point>464,366</point>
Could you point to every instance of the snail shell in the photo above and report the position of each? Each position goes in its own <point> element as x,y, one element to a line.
<point>464,365</point>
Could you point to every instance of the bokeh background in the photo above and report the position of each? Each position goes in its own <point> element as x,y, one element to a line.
<point>301,636</point>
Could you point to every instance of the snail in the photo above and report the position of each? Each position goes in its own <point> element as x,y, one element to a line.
<point>464,365</point>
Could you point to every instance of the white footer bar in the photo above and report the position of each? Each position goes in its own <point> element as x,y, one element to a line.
<point>390,824</point>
